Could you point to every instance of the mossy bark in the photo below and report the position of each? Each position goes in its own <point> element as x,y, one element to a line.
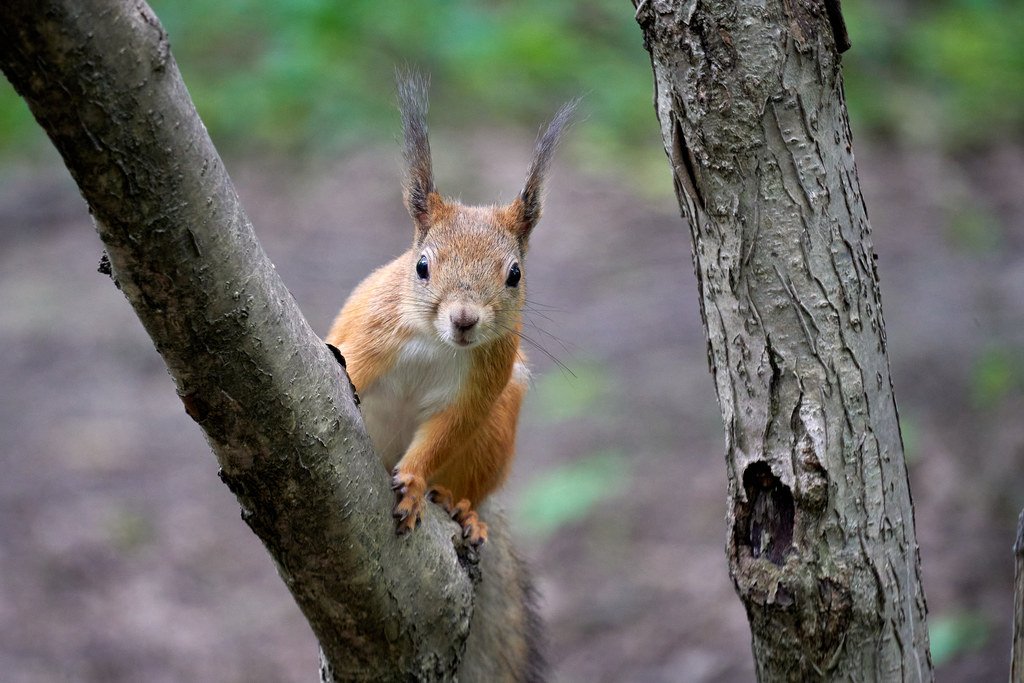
<point>821,541</point>
<point>275,405</point>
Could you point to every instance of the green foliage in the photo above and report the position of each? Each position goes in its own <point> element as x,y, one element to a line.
<point>308,73</point>
<point>971,50</point>
<point>129,531</point>
<point>998,371</point>
<point>559,397</point>
<point>973,228</point>
<point>305,75</point>
<point>18,130</point>
<point>910,432</point>
<point>948,73</point>
<point>955,634</point>
<point>564,494</point>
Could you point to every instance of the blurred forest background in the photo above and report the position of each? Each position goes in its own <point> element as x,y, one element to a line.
<point>122,557</point>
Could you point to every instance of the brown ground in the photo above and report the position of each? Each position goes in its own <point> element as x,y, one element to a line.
<point>123,558</point>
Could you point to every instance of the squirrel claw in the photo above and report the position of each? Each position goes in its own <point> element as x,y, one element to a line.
<point>406,523</point>
<point>408,511</point>
<point>443,497</point>
<point>473,530</point>
<point>406,517</point>
<point>397,480</point>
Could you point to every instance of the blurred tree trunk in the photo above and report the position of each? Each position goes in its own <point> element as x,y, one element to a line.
<point>274,404</point>
<point>821,540</point>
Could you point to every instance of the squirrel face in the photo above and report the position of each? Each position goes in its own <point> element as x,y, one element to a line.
<point>466,281</point>
<point>466,267</point>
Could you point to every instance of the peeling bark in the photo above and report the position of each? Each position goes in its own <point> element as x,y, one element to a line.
<point>275,406</point>
<point>821,546</point>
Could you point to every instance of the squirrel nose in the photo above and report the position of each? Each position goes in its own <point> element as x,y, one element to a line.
<point>464,319</point>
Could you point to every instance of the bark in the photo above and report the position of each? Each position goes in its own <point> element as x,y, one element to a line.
<point>275,406</point>
<point>821,540</point>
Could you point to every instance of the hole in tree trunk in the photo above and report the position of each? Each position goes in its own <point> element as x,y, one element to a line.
<point>766,523</point>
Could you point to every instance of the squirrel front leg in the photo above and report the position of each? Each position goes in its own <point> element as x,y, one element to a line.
<point>481,463</point>
<point>430,449</point>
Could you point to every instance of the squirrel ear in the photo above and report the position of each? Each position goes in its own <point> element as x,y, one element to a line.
<point>418,184</point>
<point>527,206</point>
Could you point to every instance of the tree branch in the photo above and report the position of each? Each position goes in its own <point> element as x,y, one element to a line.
<point>276,407</point>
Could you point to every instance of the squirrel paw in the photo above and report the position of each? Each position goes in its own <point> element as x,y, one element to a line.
<point>473,530</point>
<point>408,511</point>
<point>443,497</point>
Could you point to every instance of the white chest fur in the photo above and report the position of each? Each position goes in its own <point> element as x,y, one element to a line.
<point>425,379</point>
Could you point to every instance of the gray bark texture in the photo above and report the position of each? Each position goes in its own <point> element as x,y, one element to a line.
<point>821,540</point>
<point>274,404</point>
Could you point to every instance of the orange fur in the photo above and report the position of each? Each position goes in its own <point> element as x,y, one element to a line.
<point>431,339</point>
<point>466,445</point>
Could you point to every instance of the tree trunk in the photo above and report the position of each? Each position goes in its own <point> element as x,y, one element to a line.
<point>276,407</point>
<point>821,540</point>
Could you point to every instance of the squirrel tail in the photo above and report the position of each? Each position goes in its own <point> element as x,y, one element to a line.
<point>506,632</point>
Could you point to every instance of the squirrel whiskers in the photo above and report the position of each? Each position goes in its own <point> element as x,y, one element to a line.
<point>432,339</point>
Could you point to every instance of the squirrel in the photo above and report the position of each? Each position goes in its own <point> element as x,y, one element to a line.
<point>431,340</point>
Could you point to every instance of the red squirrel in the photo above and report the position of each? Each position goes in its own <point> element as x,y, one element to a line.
<point>431,340</point>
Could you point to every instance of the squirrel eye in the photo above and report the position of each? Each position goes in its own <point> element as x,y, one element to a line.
<point>513,276</point>
<point>421,268</point>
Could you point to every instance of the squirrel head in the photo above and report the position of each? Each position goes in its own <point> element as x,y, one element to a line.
<point>467,277</point>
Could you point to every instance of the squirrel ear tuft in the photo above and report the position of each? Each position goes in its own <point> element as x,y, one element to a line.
<point>528,204</point>
<point>418,183</point>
